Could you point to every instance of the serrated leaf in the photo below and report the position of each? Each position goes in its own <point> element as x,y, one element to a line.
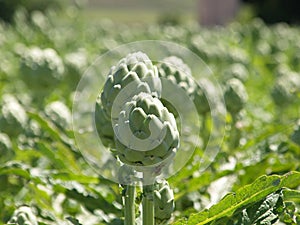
<point>246,195</point>
<point>266,211</point>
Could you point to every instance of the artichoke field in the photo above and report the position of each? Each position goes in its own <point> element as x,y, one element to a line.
<point>45,177</point>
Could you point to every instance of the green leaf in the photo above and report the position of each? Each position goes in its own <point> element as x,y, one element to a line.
<point>266,211</point>
<point>53,131</point>
<point>83,179</point>
<point>246,195</point>
<point>15,168</point>
<point>46,150</point>
<point>291,194</point>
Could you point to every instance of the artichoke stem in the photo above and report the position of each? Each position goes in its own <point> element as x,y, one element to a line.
<point>129,211</point>
<point>148,205</point>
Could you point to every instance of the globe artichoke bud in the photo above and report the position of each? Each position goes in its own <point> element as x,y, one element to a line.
<point>146,132</point>
<point>235,95</point>
<point>6,151</point>
<point>163,202</point>
<point>135,69</point>
<point>175,70</point>
<point>41,68</point>
<point>23,216</point>
<point>59,114</point>
<point>285,89</point>
<point>14,118</point>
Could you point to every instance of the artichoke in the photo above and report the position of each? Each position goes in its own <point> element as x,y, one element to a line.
<point>5,148</point>
<point>235,95</point>
<point>59,114</point>
<point>41,68</point>
<point>163,202</point>
<point>14,118</point>
<point>23,216</point>
<point>142,124</point>
<point>175,70</point>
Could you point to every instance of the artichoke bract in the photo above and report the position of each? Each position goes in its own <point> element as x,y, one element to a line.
<point>235,95</point>
<point>146,132</point>
<point>163,202</point>
<point>23,216</point>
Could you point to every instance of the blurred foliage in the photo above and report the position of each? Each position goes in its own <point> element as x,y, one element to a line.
<point>42,169</point>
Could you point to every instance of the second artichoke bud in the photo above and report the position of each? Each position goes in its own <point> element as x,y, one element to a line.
<point>163,202</point>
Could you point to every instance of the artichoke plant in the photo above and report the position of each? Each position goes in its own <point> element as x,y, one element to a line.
<point>23,216</point>
<point>133,122</point>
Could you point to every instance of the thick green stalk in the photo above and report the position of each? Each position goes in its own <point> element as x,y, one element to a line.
<point>148,205</point>
<point>129,211</point>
